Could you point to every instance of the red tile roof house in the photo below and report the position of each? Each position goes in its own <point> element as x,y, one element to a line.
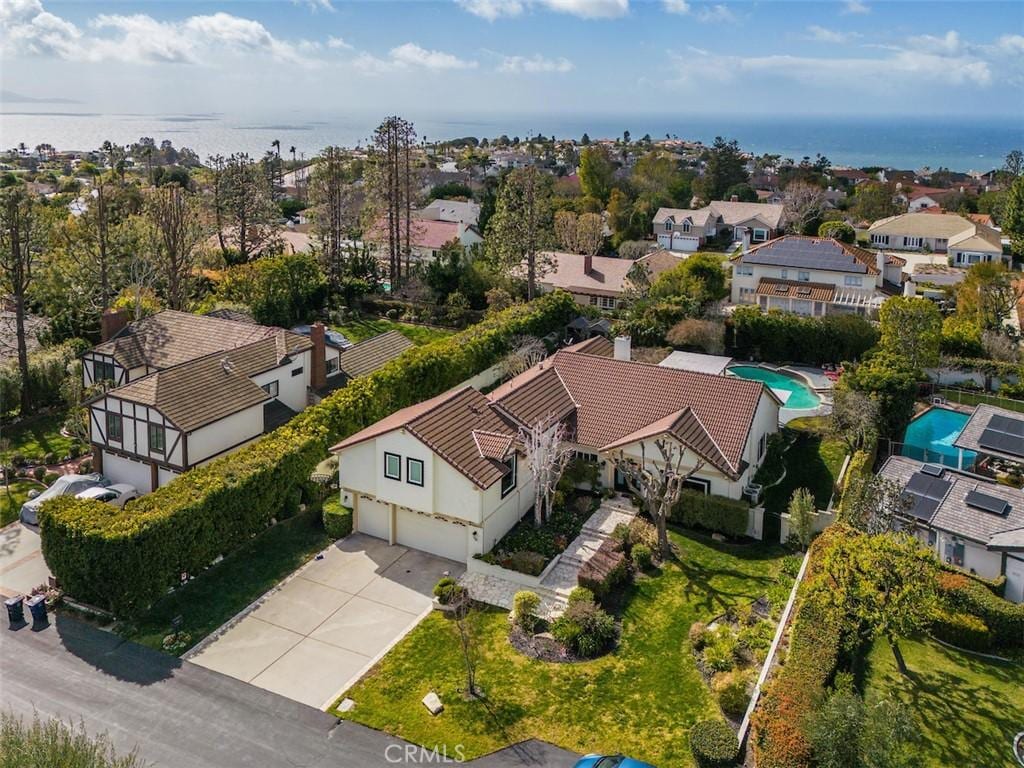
<point>428,236</point>
<point>448,476</point>
<point>599,281</point>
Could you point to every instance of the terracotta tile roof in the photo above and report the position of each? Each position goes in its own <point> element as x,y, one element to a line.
<point>793,289</point>
<point>446,424</point>
<point>595,345</point>
<point>492,445</point>
<point>685,427</point>
<point>530,398</point>
<point>369,355</point>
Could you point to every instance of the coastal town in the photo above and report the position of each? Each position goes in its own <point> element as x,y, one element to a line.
<point>602,451</point>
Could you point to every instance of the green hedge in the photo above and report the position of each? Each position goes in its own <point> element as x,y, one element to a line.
<point>1005,620</point>
<point>784,337</point>
<point>715,513</point>
<point>714,744</point>
<point>123,560</point>
<point>337,518</point>
<point>962,630</point>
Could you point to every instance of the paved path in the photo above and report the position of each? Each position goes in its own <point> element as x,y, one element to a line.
<point>22,567</point>
<point>312,637</point>
<point>180,715</point>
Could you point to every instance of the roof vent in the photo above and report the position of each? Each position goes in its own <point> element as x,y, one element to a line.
<point>227,365</point>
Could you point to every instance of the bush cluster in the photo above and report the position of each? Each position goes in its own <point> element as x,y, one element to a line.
<point>962,630</point>
<point>337,518</point>
<point>524,610</point>
<point>123,560</point>
<point>732,689</point>
<point>714,513</point>
<point>781,336</point>
<point>1005,620</point>
<point>713,744</point>
<point>447,590</point>
<point>585,629</point>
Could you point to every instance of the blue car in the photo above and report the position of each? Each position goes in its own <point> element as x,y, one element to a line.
<point>610,761</point>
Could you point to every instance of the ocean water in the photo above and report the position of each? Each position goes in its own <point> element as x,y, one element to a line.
<point>903,142</point>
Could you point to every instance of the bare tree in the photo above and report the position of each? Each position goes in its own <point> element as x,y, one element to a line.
<point>547,455</point>
<point>174,216</point>
<point>18,254</point>
<point>462,606</point>
<point>659,484</point>
<point>854,417</point>
<point>526,352</point>
<point>579,233</point>
<point>566,226</point>
<point>802,204</point>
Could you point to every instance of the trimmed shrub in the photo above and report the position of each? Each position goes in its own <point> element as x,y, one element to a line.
<point>446,590</point>
<point>714,744</point>
<point>714,513</point>
<point>1005,620</point>
<point>524,610</point>
<point>337,518</point>
<point>525,561</point>
<point>39,472</point>
<point>642,556</point>
<point>124,560</point>
<point>732,691</point>
<point>781,336</point>
<point>962,630</point>
<point>585,629</point>
<point>50,478</point>
<point>580,595</point>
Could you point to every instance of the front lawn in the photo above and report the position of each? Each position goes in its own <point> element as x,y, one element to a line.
<point>217,594</point>
<point>640,700</point>
<point>967,707</point>
<point>813,461</point>
<point>360,330</point>
<point>35,439</point>
<point>12,497</point>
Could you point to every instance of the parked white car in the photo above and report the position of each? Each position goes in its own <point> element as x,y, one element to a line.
<point>65,485</point>
<point>117,494</point>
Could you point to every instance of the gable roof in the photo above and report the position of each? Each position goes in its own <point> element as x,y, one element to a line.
<point>827,254</point>
<point>733,213</point>
<point>370,354</point>
<point>426,233</point>
<point>685,427</point>
<point>943,226</point>
<point>608,276</point>
<point>698,216</point>
<point>446,424</point>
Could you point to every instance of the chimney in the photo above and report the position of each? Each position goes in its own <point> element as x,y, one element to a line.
<point>623,346</point>
<point>588,264</point>
<point>111,322</point>
<point>734,198</point>
<point>318,370</point>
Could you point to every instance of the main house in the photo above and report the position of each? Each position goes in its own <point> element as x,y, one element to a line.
<point>182,389</point>
<point>448,475</point>
<point>967,520</point>
<point>680,229</point>
<point>815,276</point>
<point>966,242</point>
<point>600,281</point>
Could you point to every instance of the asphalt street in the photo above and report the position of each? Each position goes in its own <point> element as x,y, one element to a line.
<point>181,715</point>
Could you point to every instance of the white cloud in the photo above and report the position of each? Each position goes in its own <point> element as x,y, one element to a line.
<point>316,5</point>
<point>680,7</point>
<point>26,27</point>
<point>411,56</point>
<point>534,64</point>
<point>584,9</point>
<point>949,44</point>
<point>338,43</point>
<point>823,35</point>
<point>715,13</point>
<point>856,7</point>
<point>1012,44</point>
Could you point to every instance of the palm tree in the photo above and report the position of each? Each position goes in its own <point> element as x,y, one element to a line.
<point>276,144</point>
<point>292,150</point>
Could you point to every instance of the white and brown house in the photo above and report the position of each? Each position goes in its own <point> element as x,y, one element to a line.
<point>679,229</point>
<point>600,281</point>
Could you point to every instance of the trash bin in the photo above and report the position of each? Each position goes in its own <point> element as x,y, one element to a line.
<point>37,607</point>
<point>16,611</point>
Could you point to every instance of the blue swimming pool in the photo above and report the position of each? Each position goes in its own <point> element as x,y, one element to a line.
<point>800,396</point>
<point>930,438</point>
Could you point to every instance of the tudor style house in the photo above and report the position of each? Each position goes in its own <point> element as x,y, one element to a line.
<point>183,389</point>
<point>815,276</point>
<point>679,229</point>
<point>966,242</point>
<point>600,281</point>
<point>448,475</point>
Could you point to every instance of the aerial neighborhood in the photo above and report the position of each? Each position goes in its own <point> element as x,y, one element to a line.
<point>592,451</point>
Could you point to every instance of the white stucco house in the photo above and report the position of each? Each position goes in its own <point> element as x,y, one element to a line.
<point>448,475</point>
<point>679,229</point>
<point>966,242</point>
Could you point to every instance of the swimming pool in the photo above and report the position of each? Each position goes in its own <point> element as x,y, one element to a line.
<point>930,438</point>
<point>800,396</point>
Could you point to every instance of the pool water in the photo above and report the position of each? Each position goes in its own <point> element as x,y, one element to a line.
<point>801,397</point>
<point>930,438</point>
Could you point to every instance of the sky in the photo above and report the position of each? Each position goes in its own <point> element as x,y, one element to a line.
<point>573,57</point>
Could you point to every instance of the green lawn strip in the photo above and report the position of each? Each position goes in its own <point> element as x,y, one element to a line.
<point>225,589</point>
<point>36,438</point>
<point>360,330</point>
<point>12,497</point>
<point>813,461</point>
<point>967,707</point>
<point>970,398</point>
<point>640,700</point>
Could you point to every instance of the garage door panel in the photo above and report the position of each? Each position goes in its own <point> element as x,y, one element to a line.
<point>431,534</point>
<point>373,517</point>
<point>122,470</point>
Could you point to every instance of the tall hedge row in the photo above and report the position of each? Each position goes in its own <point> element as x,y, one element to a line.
<point>714,513</point>
<point>784,337</point>
<point>123,560</point>
<point>1004,619</point>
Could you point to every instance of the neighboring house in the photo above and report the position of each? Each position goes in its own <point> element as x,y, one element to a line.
<point>679,229</point>
<point>458,211</point>
<point>965,241</point>
<point>815,276</point>
<point>428,236</point>
<point>354,360</point>
<point>448,475</point>
<point>968,521</point>
<point>600,281</point>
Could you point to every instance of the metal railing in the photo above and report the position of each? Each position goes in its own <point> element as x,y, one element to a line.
<point>930,456</point>
<point>972,397</point>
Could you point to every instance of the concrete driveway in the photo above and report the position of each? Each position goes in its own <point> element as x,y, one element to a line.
<point>22,567</point>
<point>319,631</point>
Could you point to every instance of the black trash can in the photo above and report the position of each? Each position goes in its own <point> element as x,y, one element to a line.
<point>15,611</point>
<point>37,607</point>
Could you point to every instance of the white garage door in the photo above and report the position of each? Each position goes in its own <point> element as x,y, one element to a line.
<point>373,517</point>
<point>432,534</point>
<point>687,244</point>
<point>121,470</point>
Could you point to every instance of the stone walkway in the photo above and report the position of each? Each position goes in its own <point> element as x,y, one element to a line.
<point>560,579</point>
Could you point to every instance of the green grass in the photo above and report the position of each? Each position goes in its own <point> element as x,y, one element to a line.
<point>12,497</point>
<point>979,398</point>
<point>640,700</point>
<point>968,708</point>
<point>360,330</point>
<point>36,438</point>
<point>225,589</point>
<point>813,461</point>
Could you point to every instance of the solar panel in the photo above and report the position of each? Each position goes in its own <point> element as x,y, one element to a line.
<point>819,254</point>
<point>987,503</point>
<point>920,507</point>
<point>924,492</point>
<point>1003,442</point>
<point>1006,424</point>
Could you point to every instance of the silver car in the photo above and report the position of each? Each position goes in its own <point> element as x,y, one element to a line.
<point>65,485</point>
<point>117,494</point>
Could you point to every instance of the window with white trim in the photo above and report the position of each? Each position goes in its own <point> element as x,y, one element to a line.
<point>880,239</point>
<point>744,269</point>
<point>392,466</point>
<point>803,276</point>
<point>607,302</point>
<point>760,235</point>
<point>686,226</point>
<point>271,388</point>
<point>784,274</point>
<point>912,242</point>
<point>697,484</point>
<point>762,445</point>
<point>668,226</point>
